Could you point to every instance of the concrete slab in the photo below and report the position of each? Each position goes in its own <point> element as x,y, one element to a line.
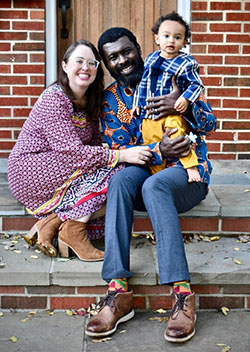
<point>21,268</point>
<point>213,262</point>
<point>235,202</point>
<point>79,273</point>
<point>229,167</point>
<point>42,332</point>
<point>8,204</point>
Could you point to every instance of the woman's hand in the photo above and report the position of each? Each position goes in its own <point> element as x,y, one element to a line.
<point>135,155</point>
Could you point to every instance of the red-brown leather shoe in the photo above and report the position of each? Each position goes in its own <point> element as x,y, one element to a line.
<point>181,324</point>
<point>115,308</point>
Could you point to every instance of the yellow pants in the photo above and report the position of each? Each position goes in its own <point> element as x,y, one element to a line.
<point>152,131</point>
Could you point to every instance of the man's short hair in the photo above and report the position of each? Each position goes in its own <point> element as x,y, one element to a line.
<point>112,35</point>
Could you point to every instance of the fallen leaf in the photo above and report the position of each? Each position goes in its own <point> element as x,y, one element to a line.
<point>50,313</point>
<point>244,238</point>
<point>13,339</point>
<point>17,251</point>
<point>69,312</point>
<point>38,251</point>
<point>160,319</point>
<point>237,261</point>
<point>221,344</point>
<point>236,249</point>
<point>161,311</point>
<point>226,349</point>
<point>32,313</point>
<point>81,312</point>
<point>215,238</point>
<point>1,314</point>
<point>25,320</point>
<point>247,190</point>
<point>62,259</point>
<point>224,310</point>
<point>34,257</point>
<point>2,265</point>
<point>122,331</point>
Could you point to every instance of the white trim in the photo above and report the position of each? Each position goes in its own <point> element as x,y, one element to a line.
<point>184,10</point>
<point>51,42</point>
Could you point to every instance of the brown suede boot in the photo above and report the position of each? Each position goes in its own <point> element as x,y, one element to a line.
<point>181,324</point>
<point>72,235</point>
<point>115,308</point>
<point>43,233</point>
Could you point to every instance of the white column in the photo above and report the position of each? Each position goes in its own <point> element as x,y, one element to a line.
<point>51,41</point>
<point>184,10</point>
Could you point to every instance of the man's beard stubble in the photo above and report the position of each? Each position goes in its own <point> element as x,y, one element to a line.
<point>134,78</point>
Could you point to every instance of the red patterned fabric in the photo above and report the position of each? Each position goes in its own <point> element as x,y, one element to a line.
<point>56,150</point>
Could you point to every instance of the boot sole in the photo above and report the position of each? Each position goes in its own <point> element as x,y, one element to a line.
<point>123,319</point>
<point>179,340</point>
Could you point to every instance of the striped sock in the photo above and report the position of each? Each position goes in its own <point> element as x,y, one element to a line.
<point>118,285</point>
<point>182,287</point>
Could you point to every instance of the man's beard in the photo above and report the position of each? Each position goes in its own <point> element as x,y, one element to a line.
<point>134,78</point>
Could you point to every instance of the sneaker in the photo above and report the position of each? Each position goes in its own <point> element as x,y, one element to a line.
<point>115,308</point>
<point>181,324</point>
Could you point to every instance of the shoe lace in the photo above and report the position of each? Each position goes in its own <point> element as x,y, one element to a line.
<point>107,300</point>
<point>179,305</point>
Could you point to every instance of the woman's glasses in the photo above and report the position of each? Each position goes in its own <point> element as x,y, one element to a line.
<point>91,63</point>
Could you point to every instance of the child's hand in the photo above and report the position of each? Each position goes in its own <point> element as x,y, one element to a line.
<point>135,111</point>
<point>181,105</point>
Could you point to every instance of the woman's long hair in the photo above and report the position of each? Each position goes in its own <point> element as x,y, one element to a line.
<point>94,94</point>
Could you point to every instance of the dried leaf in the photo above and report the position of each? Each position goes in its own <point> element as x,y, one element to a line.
<point>224,310</point>
<point>221,344</point>
<point>32,313</point>
<point>122,331</point>
<point>69,312</point>
<point>226,349</point>
<point>247,190</point>
<point>2,265</point>
<point>236,248</point>
<point>160,319</point>
<point>62,259</point>
<point>25,320</point>
<point>13,339</point>
<point>161,311</point>
<point>50,313</point>
<point>17,251</point>
<point>81,312</point>
<point>34,257</point>
<point>244,238</point>
<point>136,235</point>
<point>38,251</point>
<point>237,261</point>
<point>1,314</point>
<point>215,238</point>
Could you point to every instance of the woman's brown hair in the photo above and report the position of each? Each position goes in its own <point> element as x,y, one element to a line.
<point>94,93</point>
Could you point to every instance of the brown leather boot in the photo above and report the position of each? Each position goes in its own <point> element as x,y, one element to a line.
<point>43,233</point>
<point>115,308</point>
<point>72,235</point>
<point>181,324</point>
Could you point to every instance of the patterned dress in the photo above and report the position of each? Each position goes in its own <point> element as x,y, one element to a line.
<point>58,163</point>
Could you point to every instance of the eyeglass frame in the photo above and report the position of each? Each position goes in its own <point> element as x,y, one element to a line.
<point>85,61</point>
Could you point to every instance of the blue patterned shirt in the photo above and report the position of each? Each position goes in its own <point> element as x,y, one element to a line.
<point>157,75</point>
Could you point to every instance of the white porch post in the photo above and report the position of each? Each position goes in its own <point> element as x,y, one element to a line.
<point>184,10</point>
<point>51,41</point>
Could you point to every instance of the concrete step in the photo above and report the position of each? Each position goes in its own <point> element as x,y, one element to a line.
<point>220,276</point>
<point>27,282</point>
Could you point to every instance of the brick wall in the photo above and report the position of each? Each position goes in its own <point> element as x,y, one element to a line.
<point>220,43</point>
<point>22,65</point>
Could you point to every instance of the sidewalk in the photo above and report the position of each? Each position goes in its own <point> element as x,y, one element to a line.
<point>60,332</point>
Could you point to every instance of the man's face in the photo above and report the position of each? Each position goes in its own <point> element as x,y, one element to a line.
<point>123,60</point>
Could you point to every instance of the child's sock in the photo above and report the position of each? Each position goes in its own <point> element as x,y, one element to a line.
<point>182,287</point>
<point>120,285</point>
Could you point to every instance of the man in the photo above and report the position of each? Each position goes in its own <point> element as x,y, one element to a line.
<point>163,195</point>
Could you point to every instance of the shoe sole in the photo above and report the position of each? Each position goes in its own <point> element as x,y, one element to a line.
<point>178,340</point>
<point>123,319</point>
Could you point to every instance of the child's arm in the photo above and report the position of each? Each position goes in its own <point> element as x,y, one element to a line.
<point>135,111</point>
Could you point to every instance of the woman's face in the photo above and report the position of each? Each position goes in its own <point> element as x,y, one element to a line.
<point>81,69</point>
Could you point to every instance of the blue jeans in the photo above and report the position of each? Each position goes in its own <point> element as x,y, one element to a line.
<point>163,195</point>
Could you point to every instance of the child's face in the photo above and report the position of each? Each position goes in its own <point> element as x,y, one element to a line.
<point>170,38</point>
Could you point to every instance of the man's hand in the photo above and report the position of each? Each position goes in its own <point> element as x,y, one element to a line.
<point>164,104</point>
<point>177,147</point>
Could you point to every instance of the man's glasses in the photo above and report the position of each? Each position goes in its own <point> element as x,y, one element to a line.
<point>92,63</point>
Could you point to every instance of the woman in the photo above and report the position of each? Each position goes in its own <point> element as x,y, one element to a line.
<point>58,168</point>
